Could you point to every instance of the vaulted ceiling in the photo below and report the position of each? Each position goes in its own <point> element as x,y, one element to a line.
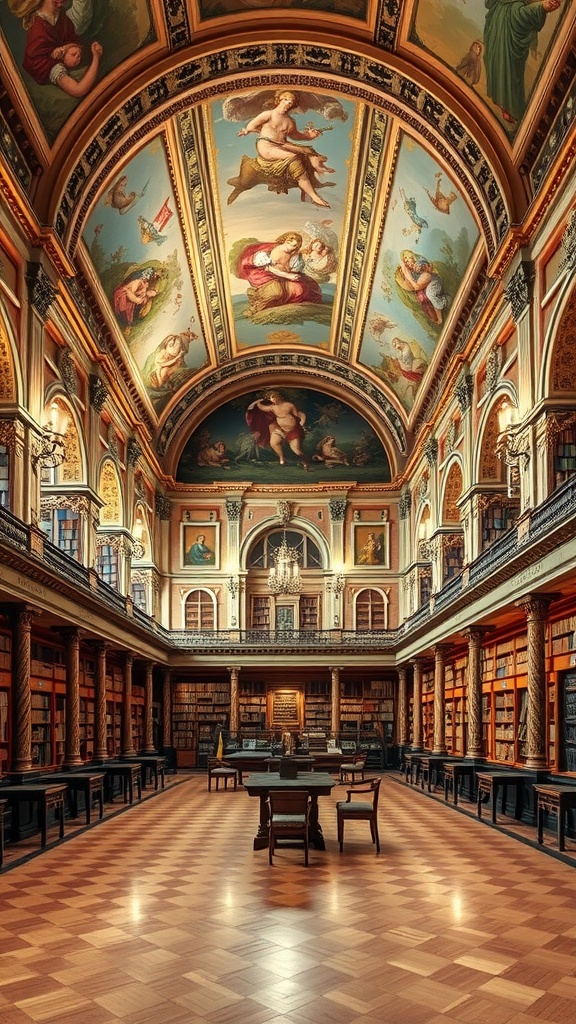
<point>206,264</point>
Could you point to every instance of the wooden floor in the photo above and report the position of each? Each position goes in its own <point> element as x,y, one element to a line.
<point>166,913</point>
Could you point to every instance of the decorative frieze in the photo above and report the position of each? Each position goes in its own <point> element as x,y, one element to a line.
<point>568,261</point>
<point>41,290</point>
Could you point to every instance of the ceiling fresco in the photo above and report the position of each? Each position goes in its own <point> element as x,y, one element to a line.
<point>284,435</point>
<point>497,48</point>
<point>312,186</point>
<point>62,51</point>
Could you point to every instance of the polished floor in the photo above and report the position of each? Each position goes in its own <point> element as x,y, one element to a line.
<point>165,913</point>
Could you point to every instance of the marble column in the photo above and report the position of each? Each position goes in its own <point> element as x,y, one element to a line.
<point>21,621</point>
<point>234,701</point>
<point>71,638</point>
<point>402,727</point>
<point>149,747</point>
<point>100,743</point>
<point>417,706</point>
<point>166,709</point>
<point>440,651</point>
<point>335,703</point>
<point>535,607</point>
<point>474,745</point>
<point>127,735</point>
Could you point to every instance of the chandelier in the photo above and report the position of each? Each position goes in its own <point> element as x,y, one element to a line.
<point>284,576</point>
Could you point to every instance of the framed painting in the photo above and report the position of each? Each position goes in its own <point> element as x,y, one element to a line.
<point>200,545</point>
<point>370,545</point>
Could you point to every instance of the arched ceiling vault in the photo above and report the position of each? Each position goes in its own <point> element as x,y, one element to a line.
<point>150,188</point>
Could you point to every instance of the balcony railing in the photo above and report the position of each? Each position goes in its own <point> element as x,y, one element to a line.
<point>275,638</point>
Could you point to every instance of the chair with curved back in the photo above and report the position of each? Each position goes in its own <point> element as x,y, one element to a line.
<point>361,804</point>
<point>217,770</point>
<point>289,819</point>
<point>354,767</point>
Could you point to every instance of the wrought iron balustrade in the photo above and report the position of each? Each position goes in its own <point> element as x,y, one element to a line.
<point>65,565</point>
<point>12,531</point>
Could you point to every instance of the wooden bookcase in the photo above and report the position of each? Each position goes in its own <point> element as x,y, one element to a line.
<point>5,686</point>
<point>505,700</point>
<point>260,612</point>
<point>42,724</point>
<point>198,707</point>
<point>199,610</point>
<point>252,702</point>
<point>317,706</point>
<point>567,753</point>
<point>564,459</point>
<point>309,612</point>
<point>114,726</point>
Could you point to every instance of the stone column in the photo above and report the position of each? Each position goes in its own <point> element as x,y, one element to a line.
<point>234,701</point>
<point>417,706</point>
<point>474,746</point>
<point>166,709</point>
<point>21,621</point>
<point>127,737</point>
<point>402,726</point>
<point>439,747</point>
<point>100,744</point>
<point>335,703</point>
<point>71,638</point>
<point>149,747</point>
<point>535,607</point>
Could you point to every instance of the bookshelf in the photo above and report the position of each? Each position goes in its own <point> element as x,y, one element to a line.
<point>199,610</point>
<point>370,612</point>
<point>564,458</point>
<point>567,757</point>
<point>4,734</point>
<point>260,612</point>
<point>114,726</point>
<point>252,701</point>
<point>41,716</point>
<point>86,723</point>
<point>505,699</point>
<point>59,728</point>
<point>317,706</point>
<point>309,612</point>
<point>497,519</point>
<point>198,708</point>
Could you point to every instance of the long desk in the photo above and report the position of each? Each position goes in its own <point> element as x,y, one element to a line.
<point>557,800</point>
<point>316,783</point>
<point>153,767</point>
<point>490,782</point>
<point>454,771</point>
<point>247,761</point>
<point>90,785</point>
<point>431,767</point>
<point>412,765</point>
<point>47,795</point>
<point>130,775</point>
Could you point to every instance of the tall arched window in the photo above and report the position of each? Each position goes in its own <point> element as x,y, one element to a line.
<point>262,555</point>
<point>199,610</point>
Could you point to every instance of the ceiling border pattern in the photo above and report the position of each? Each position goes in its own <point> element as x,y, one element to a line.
<point>177,23</point>
<point>267,365</point>
<point>188,140</point>
<point>387,21</point>
<point>556,136</point>
<point>358,262</point>
<point>366,79</point>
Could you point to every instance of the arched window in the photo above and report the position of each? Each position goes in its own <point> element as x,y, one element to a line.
<point>107,565</point>
<point>262,555</point>
<point>138,595</point>
<point>199,610</point>
<point>371,610</point>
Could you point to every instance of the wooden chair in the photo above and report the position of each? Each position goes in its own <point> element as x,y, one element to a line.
<point>289,819</point>
<point>354,767</point>
<point>217,770</point>
<point>354,809</point>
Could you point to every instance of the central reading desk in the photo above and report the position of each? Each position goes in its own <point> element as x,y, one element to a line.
<point>315,783</point>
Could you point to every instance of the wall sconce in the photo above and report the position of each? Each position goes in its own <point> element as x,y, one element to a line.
<point>233,584</point>
<point>53,440</point>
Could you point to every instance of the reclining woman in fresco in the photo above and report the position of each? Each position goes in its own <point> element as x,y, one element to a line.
<point>275,273</point>
<point>281,164</point>
<point>53,43</point>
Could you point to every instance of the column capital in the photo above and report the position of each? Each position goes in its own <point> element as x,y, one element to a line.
<point>442,649</point>
<point>69,634</point>
<point>535,606</point>
<point>477,633</point>
<point>19,614</point>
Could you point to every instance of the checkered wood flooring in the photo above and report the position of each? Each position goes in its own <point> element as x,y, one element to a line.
<point>166,914</point>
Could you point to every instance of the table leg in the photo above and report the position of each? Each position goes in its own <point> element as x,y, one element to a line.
<point>61,813</point>
<point>162,780</point>
<point>100,795</point>
<point>139,788</point>
<point>262,836</point>
<point>540,822</point>
<point>560,814</point>
<point>88,799</point>
<point>42,814</point>
<point>495,800</point>
<point>314,827</point>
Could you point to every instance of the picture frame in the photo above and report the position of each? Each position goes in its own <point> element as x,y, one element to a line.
<point>370,544</point>
<point>200,546</point>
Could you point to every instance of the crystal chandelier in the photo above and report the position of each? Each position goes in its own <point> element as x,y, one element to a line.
<point>284,576</point>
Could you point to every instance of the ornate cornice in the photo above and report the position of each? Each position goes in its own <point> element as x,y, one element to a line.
<point>42,291</point>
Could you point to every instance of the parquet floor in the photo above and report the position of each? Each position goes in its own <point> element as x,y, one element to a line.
<point>166,914</point>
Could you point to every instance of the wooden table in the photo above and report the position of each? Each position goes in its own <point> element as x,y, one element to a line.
<point>412,766</point>
<point>47,795</point>
<point>91,785</point>
<point>247,761</point>
<point>315,783</point>
<point>129,773</point>
<point>557,800</point>
<point>153,767</point>
<point>431,766</point>
<point>490,782</point>
<point>454,771</point>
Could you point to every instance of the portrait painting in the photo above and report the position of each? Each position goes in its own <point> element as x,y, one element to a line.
<point>370,545</point>
<point>60,52</point>
<point>284,435</point>
<point>133,238</point>
<point>283,163</point>
<point>200,545</point>
<point>497,48</point>
<point>428,239</point>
